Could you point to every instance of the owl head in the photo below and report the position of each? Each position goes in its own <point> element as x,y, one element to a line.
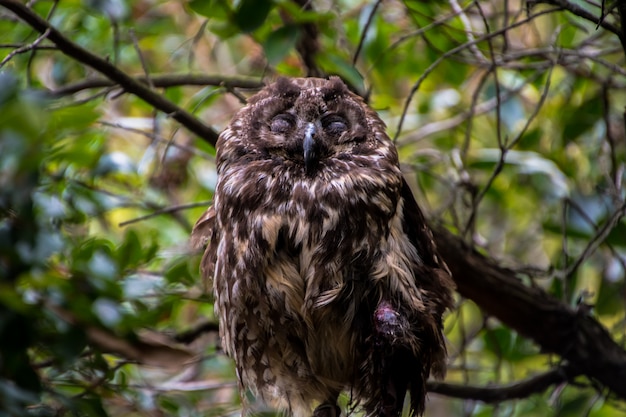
<point>304,122</point>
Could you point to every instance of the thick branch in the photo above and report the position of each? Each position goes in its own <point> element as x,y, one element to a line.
<point>110,71</point>
<point>556,327</point>
<point>496,394</point>
<point>308,43</point>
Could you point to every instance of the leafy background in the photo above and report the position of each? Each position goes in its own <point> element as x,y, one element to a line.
<point>508,116</point>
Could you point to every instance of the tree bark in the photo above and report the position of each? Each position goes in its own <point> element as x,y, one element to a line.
<point>558,328</point>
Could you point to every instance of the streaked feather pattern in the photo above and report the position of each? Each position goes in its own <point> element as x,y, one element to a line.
<point>325,274</point>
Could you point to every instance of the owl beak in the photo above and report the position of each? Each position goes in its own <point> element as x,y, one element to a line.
<point>310,148</point>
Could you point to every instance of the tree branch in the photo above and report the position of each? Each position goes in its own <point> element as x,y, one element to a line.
<point>496,394</point>
<point>164,81</point>
<point>580,12</point>
<point>308,43</point>
<point>556,327</point>
<point>112,72</point>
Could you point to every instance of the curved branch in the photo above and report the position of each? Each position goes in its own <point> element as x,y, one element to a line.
<point>496,394</point>
<point>582,13</point>
<point>112,72</point>
<point>364,32</point>
<point>164,81</point>
<point>556,327</point>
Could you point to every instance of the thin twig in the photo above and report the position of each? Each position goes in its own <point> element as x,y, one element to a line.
<point>25,48</point>
<point>112,72</point>
<point>610,138</point>
<point>596,241</point>
<point>454,51</point>
<point>368,23</point>
<point>165,81</point>
<point>166,210</point>
<point>469,31</point>
<point>580,12</point>
<point>411,35</point>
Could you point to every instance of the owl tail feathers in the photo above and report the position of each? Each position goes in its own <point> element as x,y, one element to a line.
<point>392,366</point>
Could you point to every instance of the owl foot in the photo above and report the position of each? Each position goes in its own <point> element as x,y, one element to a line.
<point>327,410</point>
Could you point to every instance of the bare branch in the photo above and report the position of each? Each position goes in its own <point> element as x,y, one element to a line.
<point>165,81</point>
<point>597,240</point>
<point>556,327</point>
<point>24,48</point>
<point>580,12</point>
<point>166,210</point>
<point>308,43</point>
<point>366,27</point>
<point>496,394</point>
<point>454,51</point>
<point>112,72</point>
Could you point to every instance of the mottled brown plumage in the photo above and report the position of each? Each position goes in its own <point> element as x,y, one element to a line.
<point>325,275</point>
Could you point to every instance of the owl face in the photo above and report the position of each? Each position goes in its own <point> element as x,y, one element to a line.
<point>306,122</point>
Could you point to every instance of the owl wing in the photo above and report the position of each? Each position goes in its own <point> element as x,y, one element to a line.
<point>414,224</point>
<point>432,274</point>
<point>204,232</point>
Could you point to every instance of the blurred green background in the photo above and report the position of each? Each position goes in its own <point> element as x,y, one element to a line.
<point>509,121</point>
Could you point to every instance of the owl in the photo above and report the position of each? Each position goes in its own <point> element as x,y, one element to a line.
<point>325,275</point>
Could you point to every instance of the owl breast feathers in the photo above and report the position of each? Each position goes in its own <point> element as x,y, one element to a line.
<point>325,274</point>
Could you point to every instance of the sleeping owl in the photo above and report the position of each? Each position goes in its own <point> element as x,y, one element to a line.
<point>325,274</point>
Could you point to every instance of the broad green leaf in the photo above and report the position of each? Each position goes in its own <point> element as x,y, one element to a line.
<point>336,65</point>
<point>178,272</point>
<point>129,254</point>
<point>251,14</point>
<point>579,119</point>
<point>280,42</point>
<point>213,9</point>
<point>72,117</point>
<point>610,297</point>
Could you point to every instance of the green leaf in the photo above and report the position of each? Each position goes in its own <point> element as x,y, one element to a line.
<point>617,235</point>
<point>582,118</point>
<point>506,344</point>
<point>70,344</point>
<point>178,272</point>
<point>90,406</point>
<point>224,30</point>
<point>336,65</point>
<point>213,9</point>
<point>610,298</point>
<point>129,254</point>
<point>280,42</point>
<point>251,14</point>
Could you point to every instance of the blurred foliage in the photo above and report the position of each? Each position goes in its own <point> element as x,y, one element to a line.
<point>516,141</point>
